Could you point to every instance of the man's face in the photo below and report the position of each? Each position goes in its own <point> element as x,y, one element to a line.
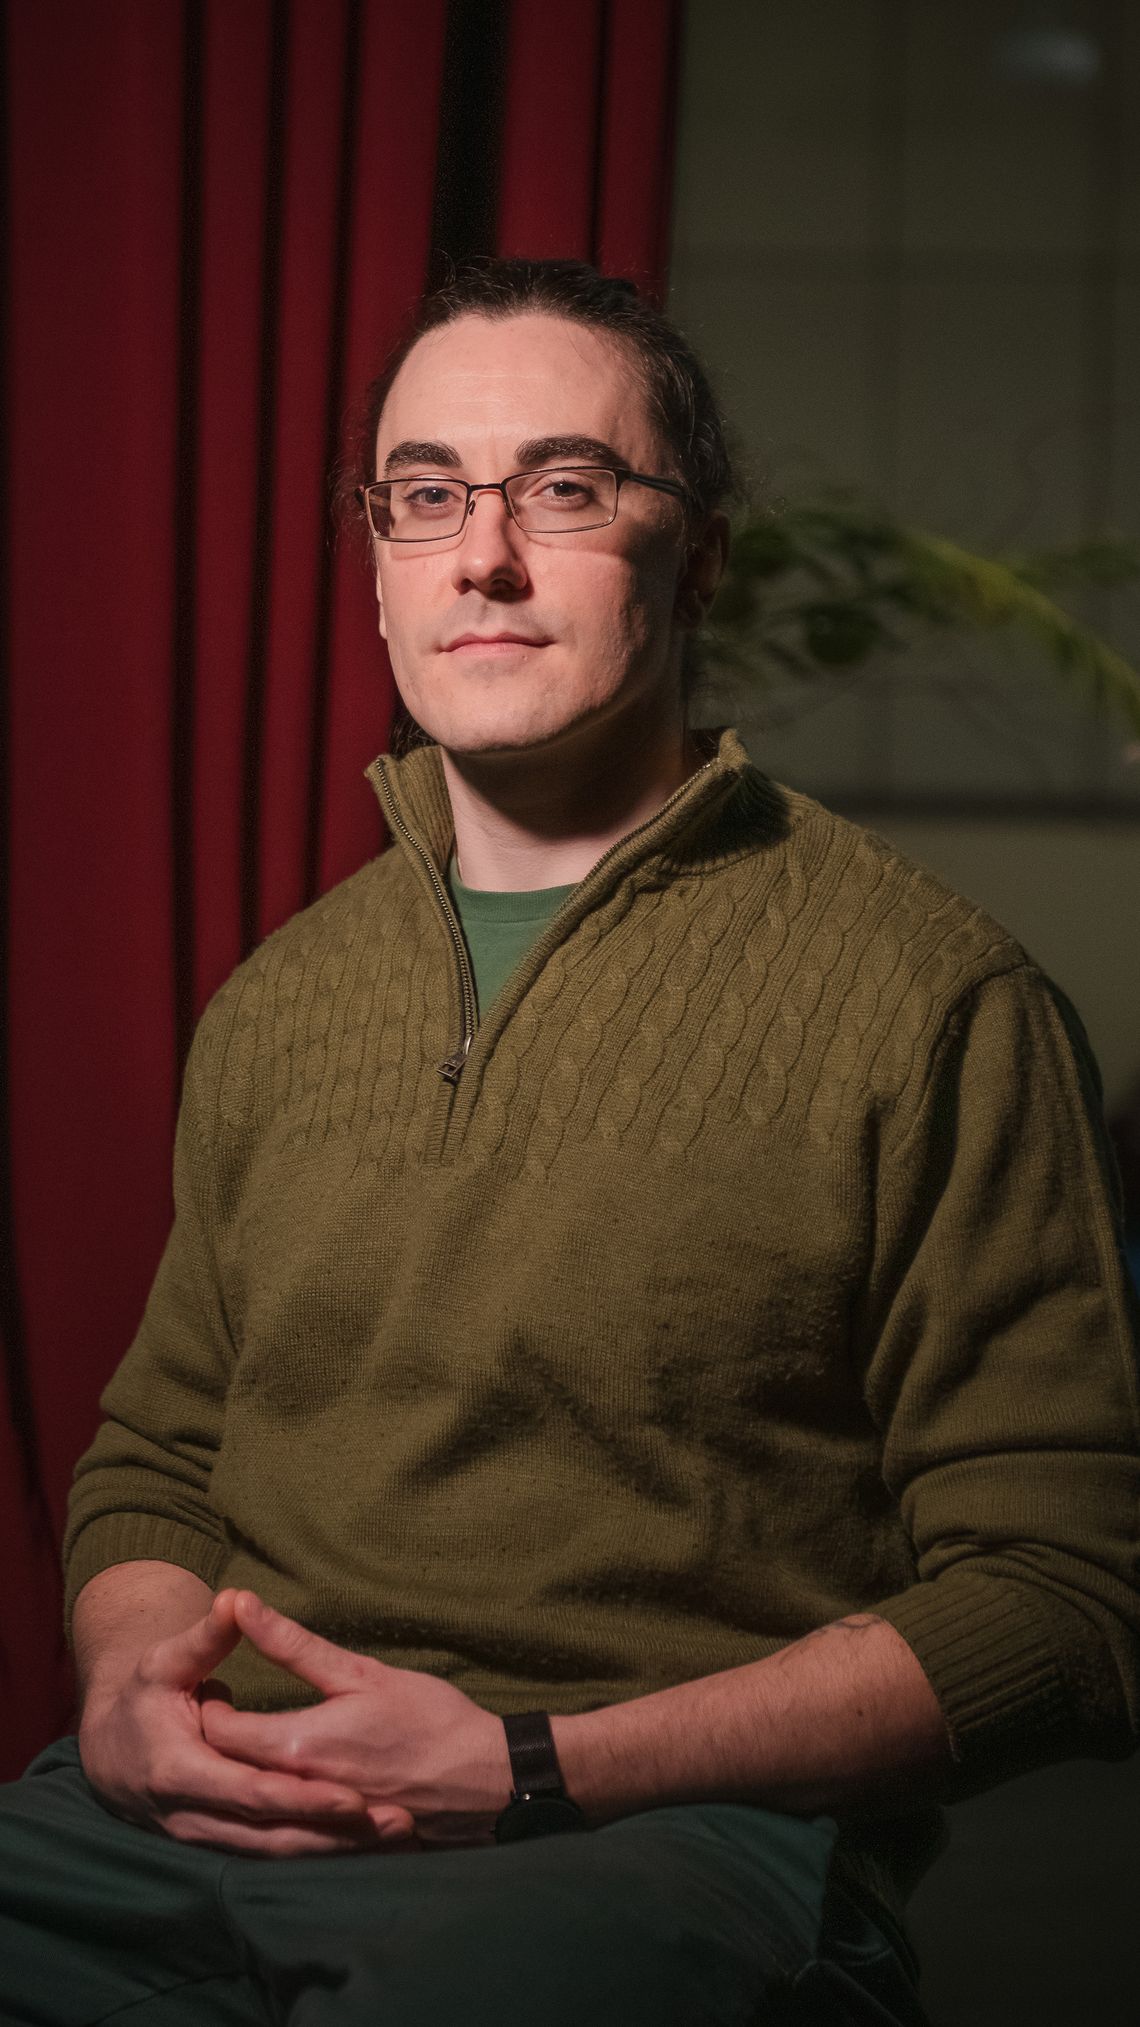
<point>592,614</point>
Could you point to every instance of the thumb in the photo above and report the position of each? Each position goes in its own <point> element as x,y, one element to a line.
<point>292,1646</point>
<point>186,1658</point>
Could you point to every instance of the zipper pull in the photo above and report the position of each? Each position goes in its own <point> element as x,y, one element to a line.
<point>452,1066</point>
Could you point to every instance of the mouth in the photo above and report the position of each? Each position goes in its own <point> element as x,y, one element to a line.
<point>493,643</point>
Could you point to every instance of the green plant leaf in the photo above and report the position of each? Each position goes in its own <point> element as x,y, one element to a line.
<point>828,573</point>
<point>840,632</point>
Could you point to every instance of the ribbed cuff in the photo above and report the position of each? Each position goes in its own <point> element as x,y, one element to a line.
<point>139,1537</point>
<point>1005,1661</point>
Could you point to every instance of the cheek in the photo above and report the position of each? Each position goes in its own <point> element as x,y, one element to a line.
<point>409,604</point>
<point>640,610</point>
<point>626,600</point>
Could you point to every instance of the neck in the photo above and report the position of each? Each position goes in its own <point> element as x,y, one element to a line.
<point>545,816</point>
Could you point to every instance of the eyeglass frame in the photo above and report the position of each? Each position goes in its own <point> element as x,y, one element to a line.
<point>619,473</point>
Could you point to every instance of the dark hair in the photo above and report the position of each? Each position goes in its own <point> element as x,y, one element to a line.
<point>675,383</point>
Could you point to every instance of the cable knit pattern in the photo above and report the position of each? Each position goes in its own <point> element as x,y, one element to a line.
<point>759,1266</point>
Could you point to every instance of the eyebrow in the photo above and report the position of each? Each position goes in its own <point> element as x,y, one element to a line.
<point>537,450</point>
<point>411,452</point>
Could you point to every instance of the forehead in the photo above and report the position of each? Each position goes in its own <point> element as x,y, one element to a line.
<point>484,381</point>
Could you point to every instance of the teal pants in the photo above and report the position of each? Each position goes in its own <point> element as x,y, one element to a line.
<point>701,1916</point>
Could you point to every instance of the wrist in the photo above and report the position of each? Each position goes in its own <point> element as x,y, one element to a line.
<point>100,1694</point>
<point>592,1765</point>
<point>625,1757</point>
<point>499,1774</point>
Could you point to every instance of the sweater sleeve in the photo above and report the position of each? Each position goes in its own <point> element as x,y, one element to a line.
<point>1003,1379</point>
<point>142,1489</point>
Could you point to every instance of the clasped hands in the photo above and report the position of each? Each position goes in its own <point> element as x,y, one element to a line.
<point>389,1760</point>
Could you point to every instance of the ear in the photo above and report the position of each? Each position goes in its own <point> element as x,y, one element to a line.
<point>701,572</point>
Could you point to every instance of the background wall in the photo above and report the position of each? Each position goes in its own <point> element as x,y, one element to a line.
<point>908,240</point>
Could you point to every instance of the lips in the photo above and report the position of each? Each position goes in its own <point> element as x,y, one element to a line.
<point>486,640</point>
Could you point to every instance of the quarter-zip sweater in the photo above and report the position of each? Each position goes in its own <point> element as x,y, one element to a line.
<point>752,1261</point>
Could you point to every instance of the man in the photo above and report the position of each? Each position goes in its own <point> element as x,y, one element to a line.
<point>643,1257</point>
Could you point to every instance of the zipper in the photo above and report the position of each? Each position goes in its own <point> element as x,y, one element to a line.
<point>676,796</point>
<point>451,1067</point>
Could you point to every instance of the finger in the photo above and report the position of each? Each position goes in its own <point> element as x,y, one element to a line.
<point>263,1746</point>
<point>186,1658</point>
<point>268,1840</point>
<point>292,1646</point>
<point>259,1738</point>
<point>207,1779</point>
<point>279,1739</point>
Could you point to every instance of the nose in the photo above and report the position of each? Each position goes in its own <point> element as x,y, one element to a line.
<point>490,554</point>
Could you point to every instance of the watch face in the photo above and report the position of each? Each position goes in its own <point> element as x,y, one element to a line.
<point>541,1816</point>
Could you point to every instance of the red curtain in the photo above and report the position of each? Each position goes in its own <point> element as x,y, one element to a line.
<point>216,216</point>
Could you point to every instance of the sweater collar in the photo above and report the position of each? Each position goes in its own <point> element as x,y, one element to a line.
<point>727,806</point>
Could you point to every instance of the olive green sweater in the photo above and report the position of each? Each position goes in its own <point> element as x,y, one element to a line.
<point>750,1262</point>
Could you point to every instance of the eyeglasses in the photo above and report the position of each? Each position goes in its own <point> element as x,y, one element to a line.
<point>567,500</point>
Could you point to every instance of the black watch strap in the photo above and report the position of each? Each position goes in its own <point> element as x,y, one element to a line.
<point>539,1805</point>
<point>534,1762</point>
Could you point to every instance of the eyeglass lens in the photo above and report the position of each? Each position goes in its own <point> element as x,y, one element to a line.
<point>543,503</point>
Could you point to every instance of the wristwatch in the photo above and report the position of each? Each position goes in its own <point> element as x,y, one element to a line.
<point>539,1805</point>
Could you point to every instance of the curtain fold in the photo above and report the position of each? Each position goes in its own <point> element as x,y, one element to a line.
<point>216,216</point>
<point>587,162</point>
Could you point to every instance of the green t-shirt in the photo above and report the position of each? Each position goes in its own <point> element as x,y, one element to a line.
<point>500,928</point>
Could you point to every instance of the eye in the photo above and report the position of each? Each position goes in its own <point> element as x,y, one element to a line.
<point>565,489</point>
<point>427,497</point>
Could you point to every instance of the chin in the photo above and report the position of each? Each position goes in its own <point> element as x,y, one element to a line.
<point>501,727</point>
